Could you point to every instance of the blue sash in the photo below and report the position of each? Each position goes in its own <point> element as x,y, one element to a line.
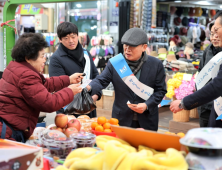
<point>125,73</point>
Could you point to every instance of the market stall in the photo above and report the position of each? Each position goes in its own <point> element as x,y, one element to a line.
<point>99,143</point>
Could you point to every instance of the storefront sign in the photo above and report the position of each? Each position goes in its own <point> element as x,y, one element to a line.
<point>115,12</point>
<point>29,9</point>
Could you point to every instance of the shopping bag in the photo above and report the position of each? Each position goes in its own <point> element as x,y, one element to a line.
<point>82,104</point>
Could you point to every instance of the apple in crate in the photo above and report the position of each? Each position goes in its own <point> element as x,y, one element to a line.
<point>70,131</point>
<point>61,120</point>
<point>74,123</point>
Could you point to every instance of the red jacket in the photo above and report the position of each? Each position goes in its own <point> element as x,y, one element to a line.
<point>24,93</point>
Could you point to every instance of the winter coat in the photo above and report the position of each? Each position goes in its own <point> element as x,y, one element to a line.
<point>63,64</point>
<point>24,93</point>
<point>208,54</point>
<point>153,75</point>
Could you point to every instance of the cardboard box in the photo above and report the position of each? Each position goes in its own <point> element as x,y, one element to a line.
<point>152,139</point>
<point>19,156</point>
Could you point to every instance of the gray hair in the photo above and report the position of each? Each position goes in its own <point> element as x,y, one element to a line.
<point>218,14</point>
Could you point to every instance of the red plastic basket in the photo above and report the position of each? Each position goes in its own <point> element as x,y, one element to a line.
<point>104,133</point>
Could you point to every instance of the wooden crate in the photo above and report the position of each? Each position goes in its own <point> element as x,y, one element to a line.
<point>102,112</point>
<point>108,102</point>
<point>105,105</point>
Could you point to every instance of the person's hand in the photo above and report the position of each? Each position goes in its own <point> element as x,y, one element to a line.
<point>95,97</point>
<point>75,88</point>
<point>75,78</point>
<point>139,108</point>
<point>174,106</point>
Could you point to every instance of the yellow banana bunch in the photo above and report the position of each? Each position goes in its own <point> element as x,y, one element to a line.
<point>79,154</point>
<point>103,139</point>
<point>60,167</point>
<point>171,160</point>
<point>119,155</point>
<point>94,162</point>
<point>132,157</point>
<point>115,152</point>
<point>141,147</point>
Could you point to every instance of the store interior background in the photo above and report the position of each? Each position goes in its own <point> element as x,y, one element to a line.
<point>96,18</point>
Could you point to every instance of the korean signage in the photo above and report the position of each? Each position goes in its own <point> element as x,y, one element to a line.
<point>28,9</point>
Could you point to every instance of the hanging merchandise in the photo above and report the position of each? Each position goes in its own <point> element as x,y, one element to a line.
<point>84,39</point>
<point>156,40</point>
<point>146,14</point>
<point>51,38</point>
<point>136,11</point>
<point>153,25</point>
<point>102,50</point>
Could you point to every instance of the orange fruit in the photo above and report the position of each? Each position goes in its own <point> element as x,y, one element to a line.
<point>93,125</point>
<point>99,128</point>
<point>181,134</point>
<point>107,130</point>
<point>101,120</point>
<point>107,120</point>
<point>113,121</point>
<point>107,126</point>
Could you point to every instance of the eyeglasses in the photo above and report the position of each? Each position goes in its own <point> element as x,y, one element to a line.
<point>212,34</point>
<point>216,29</point>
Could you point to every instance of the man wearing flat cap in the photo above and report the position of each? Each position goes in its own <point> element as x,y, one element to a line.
<point>138,94</point>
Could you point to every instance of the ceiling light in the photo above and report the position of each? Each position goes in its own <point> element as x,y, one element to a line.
<point>177,1</point>
<point>98,3</point>
<point>203,3</point>
<point>221,6</point>
<point>78,5</point>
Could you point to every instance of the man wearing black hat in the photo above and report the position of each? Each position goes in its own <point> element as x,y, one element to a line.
<point>148,71</point>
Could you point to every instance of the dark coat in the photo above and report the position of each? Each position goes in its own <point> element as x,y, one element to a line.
<point>208,93</point>
<point>153,75</point>
<point>207,56</point>
<point>24,93</point>
<point>63,64</point>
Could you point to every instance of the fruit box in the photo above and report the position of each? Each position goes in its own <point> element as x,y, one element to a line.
<point>19,156</point>
<point>152,139</point>
<point>104,133</point>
